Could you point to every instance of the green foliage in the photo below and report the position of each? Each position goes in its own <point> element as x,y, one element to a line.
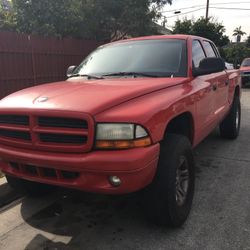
<point>236,54</point>
<point>209,29</point>
<point>222,52</point>
<point>45,17</point>
<point>183,27</point>
<point>93,19</point>
<point>238,33</point>
<point>248,42</point>
<point>7,20</point>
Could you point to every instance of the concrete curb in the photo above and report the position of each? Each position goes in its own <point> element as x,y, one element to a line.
<point>1,174</point>
<point>7,194</point>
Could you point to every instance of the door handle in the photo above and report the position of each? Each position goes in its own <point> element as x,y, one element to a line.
<point>214,87</point>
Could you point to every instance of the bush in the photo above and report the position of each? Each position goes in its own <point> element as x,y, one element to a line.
<point>236,54</point>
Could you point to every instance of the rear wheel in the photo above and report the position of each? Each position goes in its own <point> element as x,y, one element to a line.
<point>29,187</point>
<point>168,200</point>
<point>230,126</point>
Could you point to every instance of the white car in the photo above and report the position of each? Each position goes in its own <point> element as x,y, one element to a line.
<point>229,65</point>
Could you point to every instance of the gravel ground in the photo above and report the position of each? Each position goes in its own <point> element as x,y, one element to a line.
<point>220,218</point>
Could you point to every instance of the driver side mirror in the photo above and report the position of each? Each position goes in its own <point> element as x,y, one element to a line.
<point>70,70</point>
<point>209,65</point>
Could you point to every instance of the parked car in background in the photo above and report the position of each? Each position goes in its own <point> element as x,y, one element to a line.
<point>127,119</point>
<point>245,71</point>
<point>229,65</point>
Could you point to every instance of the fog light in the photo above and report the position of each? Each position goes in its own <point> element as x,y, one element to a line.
<point>115,181</point>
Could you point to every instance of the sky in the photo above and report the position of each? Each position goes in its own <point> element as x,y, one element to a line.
<point>230,18</point>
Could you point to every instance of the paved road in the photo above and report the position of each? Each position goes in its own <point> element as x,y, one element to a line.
<point>220,218</point>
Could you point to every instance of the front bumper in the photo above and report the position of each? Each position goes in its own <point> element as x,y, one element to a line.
<point>91,171</point>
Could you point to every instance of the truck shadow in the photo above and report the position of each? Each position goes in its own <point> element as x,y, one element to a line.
<point>86,218</point>
<point>93,221</point>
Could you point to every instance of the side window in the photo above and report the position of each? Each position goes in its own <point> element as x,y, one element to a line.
<point>197,53</point>
<point>209,49</point>
<point>216,50</point>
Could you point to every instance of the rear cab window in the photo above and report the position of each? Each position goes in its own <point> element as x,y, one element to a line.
<point>210,49</point>
<point>198,53</point>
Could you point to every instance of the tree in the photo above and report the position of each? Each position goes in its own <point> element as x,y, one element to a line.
<point>209,29</point>
<point>236,54</point>
<point>46,17</point>
<point>248,41</point>
<point>93,19</point>
<point>238,33</point>
<point>183,27</point>
<point>120,18</point>
<point>7,19</point>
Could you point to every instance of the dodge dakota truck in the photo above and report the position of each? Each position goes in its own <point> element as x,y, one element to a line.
<point>126,120</point>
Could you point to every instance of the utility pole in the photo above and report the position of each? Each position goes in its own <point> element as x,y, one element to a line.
<point>164,22</point>
<point>207,10</point>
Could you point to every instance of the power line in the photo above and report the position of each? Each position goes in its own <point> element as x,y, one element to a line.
<point>225,8</point>
<point>220,8</point>
<point>196,6</point>
<point>230,3</point>
<point>187,12</point>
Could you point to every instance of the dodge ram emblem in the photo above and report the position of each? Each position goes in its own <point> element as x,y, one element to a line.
<point>42,99</point>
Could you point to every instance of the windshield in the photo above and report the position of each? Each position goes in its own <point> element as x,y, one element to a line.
<point>246,62</point>
<point>153,57</point>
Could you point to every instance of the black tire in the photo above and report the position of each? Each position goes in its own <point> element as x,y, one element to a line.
<point>160,199</point>
<point>230,126</point>
<point>29,187</point>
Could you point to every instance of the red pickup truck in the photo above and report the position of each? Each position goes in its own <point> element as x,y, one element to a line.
<point>127,119</point>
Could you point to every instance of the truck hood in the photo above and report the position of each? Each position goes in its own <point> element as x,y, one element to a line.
<point>90,96</point>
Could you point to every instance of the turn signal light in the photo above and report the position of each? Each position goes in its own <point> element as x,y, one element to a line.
<point>123,144</point>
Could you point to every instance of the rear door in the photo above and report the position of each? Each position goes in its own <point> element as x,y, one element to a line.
<point>220,83</point>
<point>204,94</point>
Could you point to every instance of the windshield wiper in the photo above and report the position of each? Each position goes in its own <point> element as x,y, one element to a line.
<point>88,76</point>
<point>131,74</point>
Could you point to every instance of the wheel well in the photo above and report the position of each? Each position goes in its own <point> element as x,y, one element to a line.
<point>182,125</point>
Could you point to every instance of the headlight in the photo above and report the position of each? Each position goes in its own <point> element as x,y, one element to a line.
<point>121,136</point>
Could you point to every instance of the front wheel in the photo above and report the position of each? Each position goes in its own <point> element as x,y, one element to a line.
<point>168,200</point>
